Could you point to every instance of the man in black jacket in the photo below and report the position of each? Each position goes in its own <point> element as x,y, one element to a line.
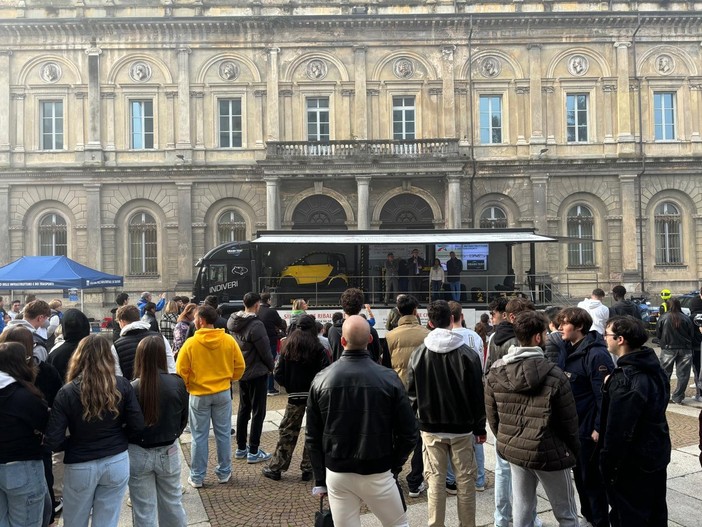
<point>445,388</point>
<point>621,305</point>
<point>359,434</point>
<point>275,326</point>
<point>250,334</point>
<point>634,432</point>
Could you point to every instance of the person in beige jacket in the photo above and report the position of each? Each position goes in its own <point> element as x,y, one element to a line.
<point>402,341</point>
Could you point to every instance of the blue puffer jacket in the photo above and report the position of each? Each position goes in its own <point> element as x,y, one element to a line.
<point>587,366</point>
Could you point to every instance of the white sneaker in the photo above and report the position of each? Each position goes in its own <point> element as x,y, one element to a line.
<point>194,484</point>
<point>416,493</point>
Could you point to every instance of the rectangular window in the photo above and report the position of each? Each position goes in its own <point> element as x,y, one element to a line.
<point>403,118</point>
<point>230,123</point>
<point>52,125</point>
<point>664,116</point>
<point>318,119</point>
<point>142,114</point>
<point>490,119</point>
<point>576,117</point>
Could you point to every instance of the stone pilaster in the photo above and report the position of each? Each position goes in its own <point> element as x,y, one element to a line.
<point>5,108</point>
<point>94,221</point>
<point>183,130</point>
<point>199,97</point>
<point>627,197</point>
<point>170,103</point>
<point>449,94</point>
<point>363,184</point>
<point>272,203</point>
<point>453,214</point>
<point>259,132</point>
<point>18,148</point>
<point>185,236</point>
<point>535,95</point>
<point>624,134</point>
<point>273,115</point>
<point>5,255</point>
<point>539,185</point>
<point>93,146</point>
<point>360,108</point>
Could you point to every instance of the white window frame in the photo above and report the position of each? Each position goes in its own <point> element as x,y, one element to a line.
<point>577,124</point>
<point>318,111</point>
<point>54,133</point>
<point>664,124</point>
<point>231,133</point>
<point>130,102</point>
<point>403,108</point>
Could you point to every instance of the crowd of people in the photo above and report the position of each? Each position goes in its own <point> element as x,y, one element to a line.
<point>571,395</point>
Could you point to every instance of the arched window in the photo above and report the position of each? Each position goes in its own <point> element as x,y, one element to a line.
<point>581,224</point>
<point>668,234</point>
<point>143,244</point>
<point>231,227</point>
<point>319,212</point>
<point>53,236</point>
<point>493,218</point>
<point>407,211</point>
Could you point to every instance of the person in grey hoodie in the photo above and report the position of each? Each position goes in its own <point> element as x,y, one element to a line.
<point>531,410</point>
<point>448,418</point>
<point>251,335</point>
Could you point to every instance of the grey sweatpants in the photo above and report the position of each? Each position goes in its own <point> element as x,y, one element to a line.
<point>559,489</point>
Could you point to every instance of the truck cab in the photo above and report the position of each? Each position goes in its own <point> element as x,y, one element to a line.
<point>227,271</point>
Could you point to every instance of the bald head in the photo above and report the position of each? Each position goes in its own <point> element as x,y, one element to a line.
<point>355,333</point>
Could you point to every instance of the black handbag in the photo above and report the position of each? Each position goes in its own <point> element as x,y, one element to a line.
<point>323,517</point>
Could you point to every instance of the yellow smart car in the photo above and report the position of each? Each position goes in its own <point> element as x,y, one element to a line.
<point>318,268</point>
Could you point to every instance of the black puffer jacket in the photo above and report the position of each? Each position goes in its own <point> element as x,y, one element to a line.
<point>359,427</point>
<point>531,410</point>
<point>126,345</point>
<point>24,417</point>
<point>173,413</point>
<point>634,432</point>
<point>675,338</point>
<point>250,334</point>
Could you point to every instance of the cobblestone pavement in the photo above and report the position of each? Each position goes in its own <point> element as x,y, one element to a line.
<point>252,500</point>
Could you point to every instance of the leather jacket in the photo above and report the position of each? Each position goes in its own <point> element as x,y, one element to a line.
<point>672,338</point>
<point>173,413</point>
<point>359,427</point>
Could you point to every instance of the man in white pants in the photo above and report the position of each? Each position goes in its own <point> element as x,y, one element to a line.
<point>360,431</point>
<point>531,410</point>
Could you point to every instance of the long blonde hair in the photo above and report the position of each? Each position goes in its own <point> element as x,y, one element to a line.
<point>93,366</point>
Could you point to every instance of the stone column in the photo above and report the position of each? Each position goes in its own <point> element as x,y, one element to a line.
<point>81,96</point>
<point>272,203</point>
<point>608,91</point>
<point>93,147</point>
<point>453,212</point>
<point>183,132</point>
<point>374,113</point>
<point>449,91</point>
<point>537,121</point>
<point>5,255</point>
<point>522,114</point>
<point>624,134</point>
<point>109,98</point>
<point>5,108</point>
<point>360,108</point>
<point>550,111</point>
<point>94,222</point>
<point>539,185</point>
<point>185,236</point>
<point>363,184</point>
<point>627,196</point>
<point>287,124</point>
<point>272,109</point>
<point>170,134</point>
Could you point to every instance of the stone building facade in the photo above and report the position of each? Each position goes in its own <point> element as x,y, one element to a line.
<point>137,135</point>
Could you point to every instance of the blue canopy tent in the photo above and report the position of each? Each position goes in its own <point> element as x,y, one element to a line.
<point>54,272</point>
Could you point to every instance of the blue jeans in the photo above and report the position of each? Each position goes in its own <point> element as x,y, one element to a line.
<point>99,484</point>
<point>274,354</point>
<point>216,407</point>
<point>480,461</point>
<point>503,491</point>
<point>154,486</point>
<point>22,492</point>
<point>455,290</point>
